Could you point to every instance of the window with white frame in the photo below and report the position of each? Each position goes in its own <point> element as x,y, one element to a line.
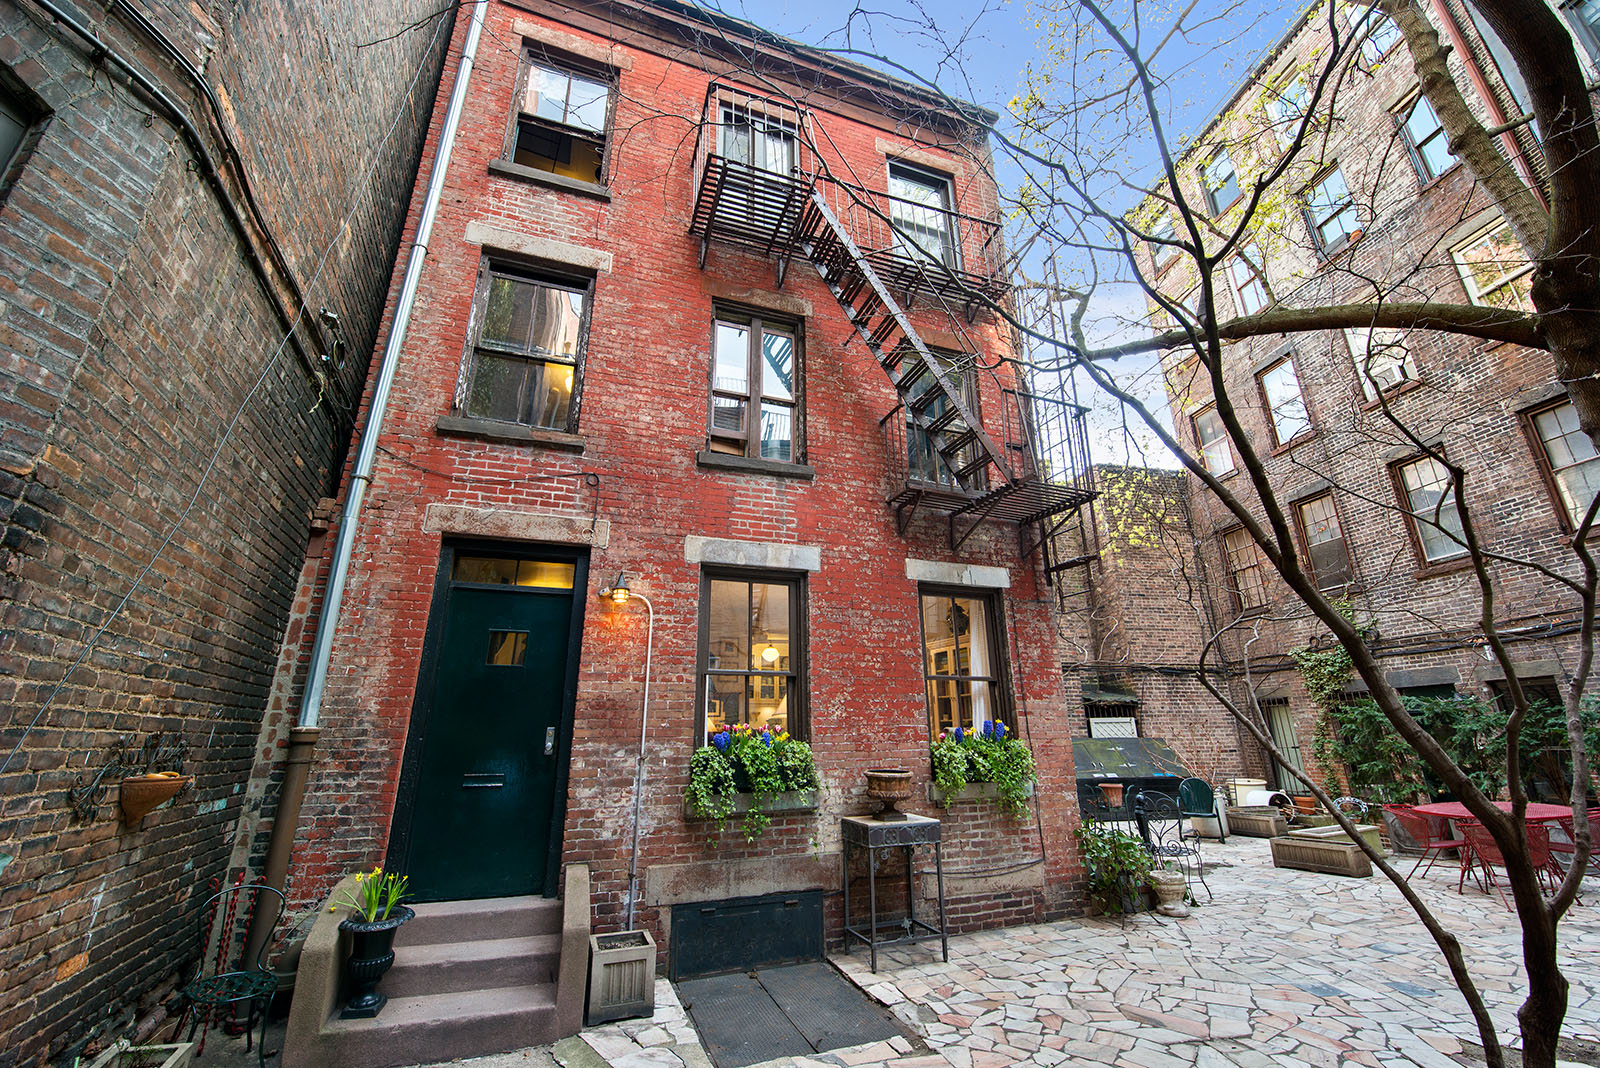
<point>1286,406</point>
<point>1248,276</point>
<point>1381,358</point>
<point>1221,182</point>
<point>1215,453</point>
<point>1331,212</point>
<point>1429,499</point>
<point>1495,269</point>
<point>1246,575</point>
<point>760,141</point>
<point>1570,457</point>
<point>920,215</point>
<point>1163,238</point>
<point>1425,136</point>
<point>1286,105</point>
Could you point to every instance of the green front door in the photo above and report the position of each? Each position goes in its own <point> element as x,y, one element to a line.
<point>484,773</point>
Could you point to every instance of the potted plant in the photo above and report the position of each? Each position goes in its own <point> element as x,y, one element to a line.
<point>990,755</point>
<point>376,913</point>
<point>766,763</point>
<point>1118,867</point>
<point>1171,887</point>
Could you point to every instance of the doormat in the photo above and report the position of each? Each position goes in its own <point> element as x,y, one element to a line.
<point>793,1011</point>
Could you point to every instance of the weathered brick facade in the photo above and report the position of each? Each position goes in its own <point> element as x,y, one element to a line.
<point>628,488</point>
<point>1412,214</point>
<point>133,333</point>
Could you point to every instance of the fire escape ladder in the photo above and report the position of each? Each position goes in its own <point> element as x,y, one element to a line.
<point>955,432</point>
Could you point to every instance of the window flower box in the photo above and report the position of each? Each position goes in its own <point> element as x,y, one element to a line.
<point>749,772</point>
<point>744,801</point>
<point>973,791</point>
<point>991,756</point>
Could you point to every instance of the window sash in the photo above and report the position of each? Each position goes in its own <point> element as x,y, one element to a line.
<point>530,335</point>
<point>757,141</point>
<point>925,463</point>
<point>1246,272</point>
<point>920,215</point>
<point>1244,568</point>
<point>741,618</point>
<point>757,411</point>
<point>961,661</point>
<point>1215,453</point>
<point>1430,502</point>
<point>1495,270</point>
<point>1324,540</point>
<point>1286,106</point>
<point>1382,35</point>
<point>1331,211</point>
<point>1569,452</point>
<point>1381,359</point>
<point>1280,387</point>
<point>1425,134</point>
<point>1221,182</point>
<point>564,98</point>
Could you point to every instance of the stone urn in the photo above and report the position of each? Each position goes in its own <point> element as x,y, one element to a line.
<point>1170,887</point>
<point>371,955</point>
<point>889,786</point>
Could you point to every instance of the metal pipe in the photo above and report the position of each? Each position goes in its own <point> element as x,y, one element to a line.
<point>638,770</point>
<point>327,624</point>
<point>302,741</point>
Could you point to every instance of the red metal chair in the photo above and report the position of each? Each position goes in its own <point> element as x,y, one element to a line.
<point>1421,830</point>
<point>1486,856</point>
<point>1563,851</point>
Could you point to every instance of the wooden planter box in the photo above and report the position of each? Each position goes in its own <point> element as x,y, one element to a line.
<point>622,976</point>
<point>1311,854</point>
<point>122,1055</point>
<point>1257,821</point>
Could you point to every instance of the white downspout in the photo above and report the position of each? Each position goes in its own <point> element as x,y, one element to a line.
<point>327,624</point>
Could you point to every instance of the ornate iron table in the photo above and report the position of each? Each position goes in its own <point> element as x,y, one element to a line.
<point>875,836</point>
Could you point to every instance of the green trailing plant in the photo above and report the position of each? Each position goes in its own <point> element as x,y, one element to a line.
<point>1117,865</point>
<point>991,755</point>
<point>763,762</point>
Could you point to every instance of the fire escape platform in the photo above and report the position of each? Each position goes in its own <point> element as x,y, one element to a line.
<point>745,206</point>
<point>1027,501</point>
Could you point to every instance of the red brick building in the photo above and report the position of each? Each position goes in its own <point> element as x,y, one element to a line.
<point>699,311</point>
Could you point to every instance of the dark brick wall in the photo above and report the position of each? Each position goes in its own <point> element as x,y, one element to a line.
<point>132,331</point>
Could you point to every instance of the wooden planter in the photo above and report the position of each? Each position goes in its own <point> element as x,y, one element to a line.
<point>622,976</point>
<point>123,1055</point>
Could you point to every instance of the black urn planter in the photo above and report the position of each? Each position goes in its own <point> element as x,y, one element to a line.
<point>371,954</point>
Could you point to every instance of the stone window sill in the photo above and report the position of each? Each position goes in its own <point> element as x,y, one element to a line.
<point>1444,567</point>
<point>1399,389</point>
<point>511,433</point>
<point>746,465</point>
<point>779,804</point>
<point>534,176</point>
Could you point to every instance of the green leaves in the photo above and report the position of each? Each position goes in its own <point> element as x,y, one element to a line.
<point>1007,762</point>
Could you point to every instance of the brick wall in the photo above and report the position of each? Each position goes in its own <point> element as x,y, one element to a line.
<point>132,331</point>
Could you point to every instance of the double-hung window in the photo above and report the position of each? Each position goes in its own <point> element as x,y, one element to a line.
<point>1429,499</point>
<point>561,118</point>
<point>755,387</point>
<point>1221,182</point>
<point>752,651</point>
<point>1424,135</point>
<point>1249,280</point>
<point>1246,575</point>
<point>961,661</point>
<point>1331,212</point>
<point>1584,18</point>
<point>1495,270</point>
<point>1286,406</point>
<point>526,361</point>
<point>1164,236</point>
<point>1381,358</point>
<point>920,213</point>
<point>1286,106</point>
<point>758,141</point>
<point>1382,35</point>
<point>924,463</point>
<point>1213,437</point>
<point>1570,457</point>
<point>1324,541</point>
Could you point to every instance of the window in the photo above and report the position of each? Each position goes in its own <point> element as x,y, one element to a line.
<point>1213,437</point>
<point>1286,106</point>
<point>1161,230</point>
<point>1221,183</point>
<point>1324,541</point>
<point>526,363</point>
<point>1430,500</point>
<point>1331,213</point>
<point>923,462</point>
<point>561,119</point>
<point>750,653</point>
<point>1571,458</point>
<point>1495,270</point>
<point>1425,136</point>
<point>919,211</point>
<point>754,387</point>
<point>1245,271</point>
<point>21,122</point>
<point>1280,387</point>
<point>759,141</point>
<point>1246,575</point>
<point>960,661</point>
<point>1584,17</point>
<point>1381,358</point>
<point>1382,35</point>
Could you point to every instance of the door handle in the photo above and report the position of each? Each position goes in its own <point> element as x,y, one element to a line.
<point>549,741</point>
<point>482,780</point>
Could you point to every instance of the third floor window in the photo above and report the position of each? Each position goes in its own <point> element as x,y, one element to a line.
<point>1570,457</point>
<point>1425,136</point>
<point>526,361</point>
<point>1382,359</point>
<point>1286,407</point>
<point>1495,270</point>
<point>1249,280</point>
<point>920,211</point>
<point>1221,183</point>
<point>561,119</point>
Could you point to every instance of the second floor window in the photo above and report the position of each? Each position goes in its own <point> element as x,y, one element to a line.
<point>1571,458</point>
<point>1213,437</point>
<point>1319,526</point>
<point>561,120</point>
<point>1425,136</point>
<point>1429,496</point>
<point>1249,280</point>
<point>1382,359</point>
<point>924,463</point>
<point>527,359</point>
<point>1221,183</point>
<point>920,212</point>
<point>1495,270</point>
<point>1331,212</point>
<point>1286,407</point>
<point>1246,575</point>
<point>755,387</point>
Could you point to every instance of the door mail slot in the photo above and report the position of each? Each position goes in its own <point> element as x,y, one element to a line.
<point>482,780</point>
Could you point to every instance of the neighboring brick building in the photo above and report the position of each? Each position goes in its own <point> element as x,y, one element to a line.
<point>1378,209</point>
<point>630,203</point>
<point>143,309</point>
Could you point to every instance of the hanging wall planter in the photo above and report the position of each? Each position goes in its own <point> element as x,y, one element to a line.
<point>142,794</point>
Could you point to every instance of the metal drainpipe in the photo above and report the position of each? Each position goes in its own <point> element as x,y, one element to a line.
<point>638,770</point>
<point>303,737</point>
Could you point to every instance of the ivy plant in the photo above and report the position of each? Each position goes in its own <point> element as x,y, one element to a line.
<point>993,755</point>
<point>763,762</point>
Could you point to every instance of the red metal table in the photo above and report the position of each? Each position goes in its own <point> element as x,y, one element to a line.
<point>1455,810</point>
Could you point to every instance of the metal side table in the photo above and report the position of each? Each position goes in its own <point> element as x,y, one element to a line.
<point>875,836</point>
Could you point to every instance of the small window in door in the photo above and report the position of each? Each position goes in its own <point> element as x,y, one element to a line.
<point>509,571</point>
<point>507,647</point>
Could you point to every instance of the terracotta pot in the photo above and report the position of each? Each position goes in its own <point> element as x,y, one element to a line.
<point>142,793</point>
<point>890,786</point>
<point>371,955</point>
<point>1112,792</point>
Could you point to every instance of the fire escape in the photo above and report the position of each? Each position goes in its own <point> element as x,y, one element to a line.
<point>757,186</point>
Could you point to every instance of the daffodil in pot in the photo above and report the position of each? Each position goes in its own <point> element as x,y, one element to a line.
<point>376,913</point>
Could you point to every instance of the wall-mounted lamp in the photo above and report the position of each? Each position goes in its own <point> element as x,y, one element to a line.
<point>618,591</point>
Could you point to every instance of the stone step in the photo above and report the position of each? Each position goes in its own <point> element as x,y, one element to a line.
<point>484,918</point>
<point>438,1028</point>
<point>479,964</point>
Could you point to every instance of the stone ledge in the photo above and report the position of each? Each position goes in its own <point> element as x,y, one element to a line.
<point>746,465</point>
<point>519,173</point>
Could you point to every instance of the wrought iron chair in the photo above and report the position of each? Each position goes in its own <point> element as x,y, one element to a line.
<point>1195,798</point>
<point>1486,857</point>
<point>1421,829</point>
<point>1565,851</point>
<point>223,978</point>
<point>1161,820</point>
